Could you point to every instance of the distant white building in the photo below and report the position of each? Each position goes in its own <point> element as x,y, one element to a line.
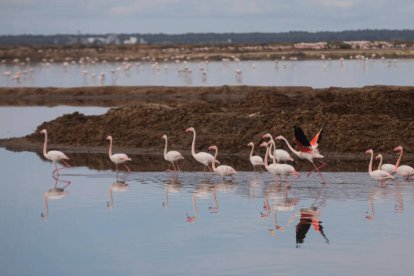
<point>131,40</point>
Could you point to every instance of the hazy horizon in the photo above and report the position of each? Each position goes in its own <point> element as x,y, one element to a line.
<point>49,17</point>
<point>185,33</point>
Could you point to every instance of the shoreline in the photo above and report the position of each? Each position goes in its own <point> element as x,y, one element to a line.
<point>163,53</point>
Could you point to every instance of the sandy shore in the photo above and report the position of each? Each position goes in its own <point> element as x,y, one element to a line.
<point>355,119</point>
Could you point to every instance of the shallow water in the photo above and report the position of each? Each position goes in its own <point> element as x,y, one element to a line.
<point>18,121</point>
<point>158,223</point>
<point>314,73</point>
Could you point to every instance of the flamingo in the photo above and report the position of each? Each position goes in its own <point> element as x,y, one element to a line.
<point>222,170</point>
<point>256,160</point>
<point>389,168</point>
<point>54,155</point>
<point>378,175</point>
<point>201,157</point>
<point>276,168</point>
<point>117,158</point>
<point>171,156</point>
<point>404,170</point>
<point>279,154</point>
<point>308,149</point>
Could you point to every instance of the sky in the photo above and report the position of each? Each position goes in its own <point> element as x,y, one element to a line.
<point>184,16</point>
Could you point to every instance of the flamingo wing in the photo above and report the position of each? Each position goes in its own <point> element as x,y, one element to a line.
<point>301,140</point>
<point>317,138</point>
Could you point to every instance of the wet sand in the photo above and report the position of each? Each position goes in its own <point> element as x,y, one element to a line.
<point>355,119</point>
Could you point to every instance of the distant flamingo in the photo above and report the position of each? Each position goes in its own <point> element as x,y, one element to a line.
<point>279,154</point>
<point>54,155</point>
<point>201,157</point>
<point>222,170</point>
<point>377,175</point>
<point>308,149</point>
<point>404,170</point>
<point>276,168</point>
<point>117,158</point>
<point>171,156</point>
<point>256,160</point>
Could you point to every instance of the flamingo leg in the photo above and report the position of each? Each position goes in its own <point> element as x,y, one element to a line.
<point>66,164</point>
<point>126,167</point>
<point>179,170</point>
<point>320,175</point>
<point>320,167</point>
<point>116,168</point>
<point>56,171</point>
<point>172,163</point>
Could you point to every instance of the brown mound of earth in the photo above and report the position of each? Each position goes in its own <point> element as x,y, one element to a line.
<point>355,119</point>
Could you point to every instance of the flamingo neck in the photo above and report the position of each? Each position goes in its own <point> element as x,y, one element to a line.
<point>399,159</point>
<point>380,163</point>
<point>272,152</point>
<point>165,148</point>
<point>266,157</point>
<point>45,146</point>
<point>251,152</point>
<point>110,148</point>
<point>290,147</point>
<point>213,164</point>
<point>193,144</point>
<point>370,163</point>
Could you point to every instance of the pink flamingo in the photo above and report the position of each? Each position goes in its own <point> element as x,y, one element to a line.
<point>201,157</point>
<point>54,155</point>
<point>172,155</point>
<point>117,158</point>
<point>256,160</point>
<point>308,149</point>
<point>276,168</point>
<point>389,168</point>
<point>279,154</point>
<point>222,170</point>
<point>378,175</point>
<point>404,170</point>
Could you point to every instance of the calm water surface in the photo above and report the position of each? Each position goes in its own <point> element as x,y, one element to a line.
<point>158,223</point>
<point>16,121</point>
<point>314,73</point>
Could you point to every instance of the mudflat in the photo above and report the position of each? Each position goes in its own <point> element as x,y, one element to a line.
<point>354,119</point>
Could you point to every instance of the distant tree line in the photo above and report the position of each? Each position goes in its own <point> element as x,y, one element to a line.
<point>215,38</point>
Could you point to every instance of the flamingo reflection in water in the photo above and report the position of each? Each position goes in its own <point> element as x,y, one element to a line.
<point>54,194</point>
<point>118,186</point>
<point>278,196</point>
<point>381,193</point>
<point>204,191</point>
<point>311,216</point>
<point>172,184</point>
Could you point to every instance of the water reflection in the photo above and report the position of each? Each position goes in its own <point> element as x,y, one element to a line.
<point>54,193</point>
<point>119,186</point>
<point>172,184</point>
<point>309,216</point>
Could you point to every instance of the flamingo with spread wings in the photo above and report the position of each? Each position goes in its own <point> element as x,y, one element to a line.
<point>308,150</point>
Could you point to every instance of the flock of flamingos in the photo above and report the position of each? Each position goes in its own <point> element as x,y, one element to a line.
<point>308,150</point>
